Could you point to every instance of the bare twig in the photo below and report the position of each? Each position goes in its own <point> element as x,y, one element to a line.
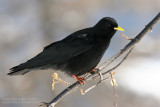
<point>125,37</point>
<point>110,70</point>
<point>132,43</point>
<point>128,47</point>
<point>101,74</point>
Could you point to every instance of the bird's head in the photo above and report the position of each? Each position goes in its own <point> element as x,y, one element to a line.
<point>107,26</point>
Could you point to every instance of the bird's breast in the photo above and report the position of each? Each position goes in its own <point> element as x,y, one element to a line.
<point>89,59</point>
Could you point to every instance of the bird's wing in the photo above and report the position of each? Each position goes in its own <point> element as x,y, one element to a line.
<point>63,50</point>
<point>69,47</point>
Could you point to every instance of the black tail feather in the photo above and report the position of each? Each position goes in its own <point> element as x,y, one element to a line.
<point>18,70</point>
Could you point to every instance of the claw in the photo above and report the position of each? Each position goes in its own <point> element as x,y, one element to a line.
<point>81,79</point>
<point>93,70</point>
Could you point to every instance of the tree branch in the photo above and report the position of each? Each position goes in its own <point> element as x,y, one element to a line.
<point>128,47</point>
<point>101,74</point>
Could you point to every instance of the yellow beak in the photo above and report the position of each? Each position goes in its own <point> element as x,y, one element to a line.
<point>118,28</point>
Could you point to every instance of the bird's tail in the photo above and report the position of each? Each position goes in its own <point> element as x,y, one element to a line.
<point>18,70</point>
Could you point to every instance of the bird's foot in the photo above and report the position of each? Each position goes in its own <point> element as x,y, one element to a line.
<point>80,79</point>
<point>94,70</point>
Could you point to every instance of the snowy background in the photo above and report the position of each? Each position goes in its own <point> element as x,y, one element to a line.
<point>26,26</point>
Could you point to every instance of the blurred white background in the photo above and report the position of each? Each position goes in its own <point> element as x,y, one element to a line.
<point>26,26</point>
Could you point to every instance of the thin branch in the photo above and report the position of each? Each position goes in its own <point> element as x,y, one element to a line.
<point>132,43</point>
<point>101,74</point>
<point>110,70</point>
<point>119,63</point>
<point>128,47</point>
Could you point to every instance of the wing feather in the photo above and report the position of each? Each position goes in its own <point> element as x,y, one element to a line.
<point>61,51</point>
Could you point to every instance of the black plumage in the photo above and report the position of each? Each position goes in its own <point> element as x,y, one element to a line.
<point>77,54</point>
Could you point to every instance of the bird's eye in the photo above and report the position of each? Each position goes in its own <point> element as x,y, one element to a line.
<point>108,25</point>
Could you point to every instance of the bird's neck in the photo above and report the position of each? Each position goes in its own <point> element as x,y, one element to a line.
<point>103,34</point>
<point>103,39</point>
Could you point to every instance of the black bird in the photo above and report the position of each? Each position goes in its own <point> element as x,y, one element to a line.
<point>77,54</point>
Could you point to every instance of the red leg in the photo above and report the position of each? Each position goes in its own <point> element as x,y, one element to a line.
<point>79,79</point>
<point>93,70</point>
